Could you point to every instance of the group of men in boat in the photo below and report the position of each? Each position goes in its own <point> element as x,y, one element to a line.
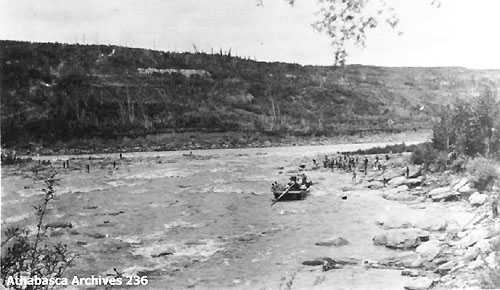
<point>296,182</point>
<point>299,182</point>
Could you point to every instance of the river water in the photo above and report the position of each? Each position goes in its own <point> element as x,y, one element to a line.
<point>204,220</point>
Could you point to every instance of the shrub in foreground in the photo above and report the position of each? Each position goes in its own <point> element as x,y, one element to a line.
<point>29,255</point>
<point>484,173</point>
<point>424,154</point>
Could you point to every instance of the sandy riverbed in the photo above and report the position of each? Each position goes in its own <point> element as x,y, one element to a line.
<point>205,221</point>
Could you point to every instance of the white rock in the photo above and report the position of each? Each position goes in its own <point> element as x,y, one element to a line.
<point>466,189</point>
<point>401,180</point>
<point>453,227</point>
<point>415,182</point>
<point>421,283</point>
<point>442,194</point>
<point>473,237</point>
<point>459,183</point>
<point>401,238</point>
<point>484,246</point>
<point>477,198</point>
<point>397,181</point>
<point>419,221</point>
<point>471,254</point>
<point>475,264</point>
<point>429,250</point>
<point>496,228</point>
<point>404,259</point>
<point>446,267</point>
<point>491,260</point>
<point>440,190</point>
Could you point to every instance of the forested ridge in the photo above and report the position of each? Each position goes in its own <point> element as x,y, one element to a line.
<point>53,91</point>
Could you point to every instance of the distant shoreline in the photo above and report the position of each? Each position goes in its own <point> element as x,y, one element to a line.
<point>204,141</point>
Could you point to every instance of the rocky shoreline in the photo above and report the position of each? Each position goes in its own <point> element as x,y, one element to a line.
<point>435,253</point>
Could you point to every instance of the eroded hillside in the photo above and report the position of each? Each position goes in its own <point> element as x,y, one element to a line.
<point>59,92</point>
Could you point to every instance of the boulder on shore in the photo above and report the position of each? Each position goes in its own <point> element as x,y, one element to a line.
<point>336,242</point>
<point>403,260</point>
<point>459,183</point>
<point>491,260</point>
<point>421,283</point>
<point>446,267</point>
<point>397,181</point>
<point>443,194</point>
<point>422,222</point>
<point>473,237</point>
<point>414,182</point>
<point>477,199</point>
<point>401,238</point>
<point>429,250</point>
<point>466,189</point>
<point>402,180</point>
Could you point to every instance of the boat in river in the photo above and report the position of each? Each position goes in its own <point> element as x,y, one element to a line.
<point>291,194</point>
<point>292,191</point>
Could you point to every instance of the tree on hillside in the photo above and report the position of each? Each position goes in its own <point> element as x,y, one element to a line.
<point>470,128</point>
<point>442,136</point>
<point>487,109</point>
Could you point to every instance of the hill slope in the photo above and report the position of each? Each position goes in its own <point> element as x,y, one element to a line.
<point>53,91</point>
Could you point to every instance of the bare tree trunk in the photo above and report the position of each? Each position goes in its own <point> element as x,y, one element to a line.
<point>278,117</point>
<point>274,114</point>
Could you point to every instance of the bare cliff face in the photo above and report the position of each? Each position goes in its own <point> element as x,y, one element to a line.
<point>53,91</point>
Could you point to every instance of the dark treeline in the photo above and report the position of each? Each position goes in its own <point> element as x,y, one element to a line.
<point>470,128</point>
<point>52,91</point>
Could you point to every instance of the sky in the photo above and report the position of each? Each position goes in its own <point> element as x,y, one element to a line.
<point>458,33</point>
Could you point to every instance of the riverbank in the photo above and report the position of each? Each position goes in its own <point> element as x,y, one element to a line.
<point>197,141</point>
<point>456,249</point>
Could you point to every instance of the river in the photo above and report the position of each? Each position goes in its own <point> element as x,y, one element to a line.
<point>203,219</point>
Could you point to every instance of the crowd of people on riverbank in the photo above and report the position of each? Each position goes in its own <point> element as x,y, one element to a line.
<point>349,163</point>
<point>354,163</point>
